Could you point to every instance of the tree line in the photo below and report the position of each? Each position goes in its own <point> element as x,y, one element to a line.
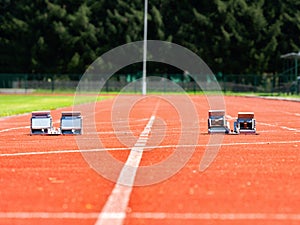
<point>66,36</point>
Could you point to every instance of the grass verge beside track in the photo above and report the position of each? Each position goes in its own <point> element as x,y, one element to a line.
<point>14,104</point>
<point>18,104</point>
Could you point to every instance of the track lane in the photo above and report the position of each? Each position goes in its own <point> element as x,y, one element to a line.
<point>245,179</point>
<point>253,180</point>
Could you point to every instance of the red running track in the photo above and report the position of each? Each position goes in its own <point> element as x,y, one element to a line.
<point>254,179</point>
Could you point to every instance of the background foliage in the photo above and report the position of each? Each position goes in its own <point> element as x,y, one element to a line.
<point>65,36</point>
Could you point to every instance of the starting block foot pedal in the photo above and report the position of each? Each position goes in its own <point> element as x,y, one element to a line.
<point>71,123</point>
<point>41,122</point>
<point>217,122</point>
<point>245,123</point>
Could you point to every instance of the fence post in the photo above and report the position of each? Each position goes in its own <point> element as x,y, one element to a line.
<point>224,83</point>
<point>106,86</point>
<point>26,83</point>
<point>52,83</point>
<point>298,85</point>
<point>255,83</point>
<point>164,80</point>
<point>296,69</point>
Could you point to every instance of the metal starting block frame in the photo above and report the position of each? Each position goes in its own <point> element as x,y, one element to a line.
<point>217,122</point>
<point>71,123</point>
<point>41,123</point>
<point>245,123</point>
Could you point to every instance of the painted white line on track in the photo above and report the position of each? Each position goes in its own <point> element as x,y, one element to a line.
<point>228,117</point>
<point>14,128</point>
<point>24,127</point>
<point>291,113</point>
<point>47,215</point>
<point>282,127</point>
<point>138,145</point>
<point>152,215</point>
<point>217,216</point>
<point>119,198</point>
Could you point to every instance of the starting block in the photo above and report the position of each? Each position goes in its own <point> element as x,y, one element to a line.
<point>41,122</point>
<point>71,123</point>
<point>245,123</point>
<point>217,122</point>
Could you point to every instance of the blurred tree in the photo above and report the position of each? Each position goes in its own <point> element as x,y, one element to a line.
<point>231,36</point>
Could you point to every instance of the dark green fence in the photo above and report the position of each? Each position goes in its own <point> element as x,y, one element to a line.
<point>266,83</point>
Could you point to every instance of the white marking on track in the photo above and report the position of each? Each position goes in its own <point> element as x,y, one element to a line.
<point>282,127</point>
<point>152,215</point>
<point>119,198</point>
<point>14,128</point>
<point>139,147</point>
<point>217,216</point>
<point>228,117</point>
<point>23,127</point>
<point>57,152</point>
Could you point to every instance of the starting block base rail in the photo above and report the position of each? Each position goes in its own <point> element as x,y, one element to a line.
<point>218,130</point>
<point>54,132</point>
<point>38,131</point>
<point>71,132</point>
<point>247,132</point>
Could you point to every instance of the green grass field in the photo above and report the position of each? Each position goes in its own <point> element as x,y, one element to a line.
<point>18,104</point>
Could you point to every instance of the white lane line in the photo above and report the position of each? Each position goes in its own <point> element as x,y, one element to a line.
<point>291,113</point>
<point>282,127</point>
<point>139,145</point>
<point>24,127</point>
<point>217,216</point>
<point>152,215</point>
<point>228,117</point>
<point>47,215</point>
<point>56,152</point>
<point>119,198</point>
<point>290,129</point>
<point>13,128</point>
